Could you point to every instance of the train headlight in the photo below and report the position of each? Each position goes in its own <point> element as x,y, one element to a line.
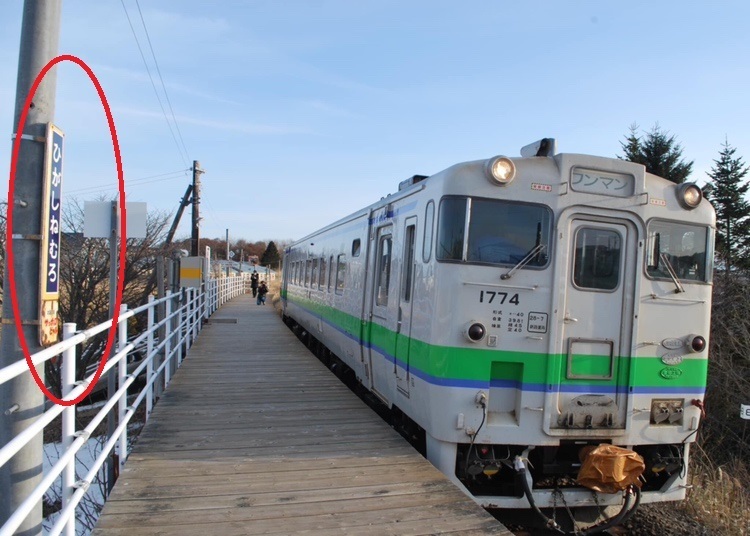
<point>500,170</point>
<point>475,331</point>
<point>689,195</point>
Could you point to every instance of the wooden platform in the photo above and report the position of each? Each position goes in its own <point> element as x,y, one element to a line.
<point>256,436</point>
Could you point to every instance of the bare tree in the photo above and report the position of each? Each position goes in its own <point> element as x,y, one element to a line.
<point>84,280</point>
<point>724,435</point>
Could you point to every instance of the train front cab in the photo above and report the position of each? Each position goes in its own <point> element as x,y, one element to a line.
<point>622,364</point>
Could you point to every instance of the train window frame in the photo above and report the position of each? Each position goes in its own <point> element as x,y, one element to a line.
<point>356,247</point>
<point>340,273</point>
<point>650,244</point>
<point>574,272</point>
<point>429,231</point>
<point>545,232</point>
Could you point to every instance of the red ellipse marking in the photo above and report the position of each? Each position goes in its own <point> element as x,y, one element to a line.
<point>9,233</point>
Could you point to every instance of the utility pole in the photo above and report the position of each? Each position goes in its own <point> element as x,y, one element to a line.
<point>195,237</point>
<point>21,400</point>
<point>228,259</point>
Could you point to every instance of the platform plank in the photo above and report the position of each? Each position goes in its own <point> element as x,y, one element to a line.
<point>256,436</point>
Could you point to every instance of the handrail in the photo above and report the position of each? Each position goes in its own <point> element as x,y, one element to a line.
<point>181,322</point>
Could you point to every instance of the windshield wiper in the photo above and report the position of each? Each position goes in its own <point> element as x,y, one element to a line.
<point>672,273</point>
<point>523,262</point>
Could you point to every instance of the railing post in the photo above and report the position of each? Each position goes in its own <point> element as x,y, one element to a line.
<point>215,296</point>
<point>150,363</point>
<point>168,339</point>
<point>193,316</point>
<point>204,300</point>
<point>181,319</point>
<point>68,425</point>
<point>186,323</point>
<point>196,314</point>
<point>122,371</point>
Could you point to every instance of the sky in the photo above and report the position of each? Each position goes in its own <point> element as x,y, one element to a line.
<point>302,112</point>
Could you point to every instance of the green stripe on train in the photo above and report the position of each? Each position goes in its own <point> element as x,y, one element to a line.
<point>476,364</point>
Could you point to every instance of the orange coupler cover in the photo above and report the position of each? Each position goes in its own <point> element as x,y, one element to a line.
<point>609,469</point>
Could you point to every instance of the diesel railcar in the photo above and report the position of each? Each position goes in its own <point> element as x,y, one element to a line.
<point>516,311</point>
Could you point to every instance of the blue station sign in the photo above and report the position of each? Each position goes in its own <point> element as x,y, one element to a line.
<point>51,214</point>
<point>49,256</point>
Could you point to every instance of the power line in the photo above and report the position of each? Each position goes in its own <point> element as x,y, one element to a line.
<point>172,175</point>
<point>158,70</point>
<point>183,153</point>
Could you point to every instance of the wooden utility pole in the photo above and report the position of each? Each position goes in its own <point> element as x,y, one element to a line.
<point>21,400</point>
<point>195,237</point>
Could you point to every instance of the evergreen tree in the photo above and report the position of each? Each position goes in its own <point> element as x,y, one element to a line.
<point>659,152</point>
<point>270,255</point>
<point>727,195</point>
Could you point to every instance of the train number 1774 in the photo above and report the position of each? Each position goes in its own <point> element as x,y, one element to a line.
<point>491,296</point>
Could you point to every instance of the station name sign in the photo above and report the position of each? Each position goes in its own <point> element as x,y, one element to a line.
<point>49,258</point>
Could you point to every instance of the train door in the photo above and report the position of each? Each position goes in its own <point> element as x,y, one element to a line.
<point>384,303</point>
<point>403,328</point>
<point>593,385</point>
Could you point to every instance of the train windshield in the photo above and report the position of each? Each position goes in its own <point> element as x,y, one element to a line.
<point>491,231</point>
<point>679,246</point>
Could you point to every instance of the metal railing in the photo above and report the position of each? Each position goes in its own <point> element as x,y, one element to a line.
<point>167,340</point>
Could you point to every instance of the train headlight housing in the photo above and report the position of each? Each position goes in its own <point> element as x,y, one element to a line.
<point>689,195</point>
<point>475,331</point>
<point>500,170</point>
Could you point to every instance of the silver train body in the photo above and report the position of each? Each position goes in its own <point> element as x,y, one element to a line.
<point>522,309</point>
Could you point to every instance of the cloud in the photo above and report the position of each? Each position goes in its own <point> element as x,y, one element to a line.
<point>141,76</point>
<point>330,110</point>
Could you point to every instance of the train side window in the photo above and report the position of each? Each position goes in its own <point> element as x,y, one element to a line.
<point>356,247</point>
<point>384,270</point>
<point>340,273</point>
<point>330,272</point>
<point>323,267</point>
<point>314,274</point>
<point>597,259</point>
<point>308,271</point>
<point>429,222</point>
<point>408,262</point>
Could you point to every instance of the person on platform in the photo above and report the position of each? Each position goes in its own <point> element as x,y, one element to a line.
<point>254,283</point>
<point>262,291</point>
